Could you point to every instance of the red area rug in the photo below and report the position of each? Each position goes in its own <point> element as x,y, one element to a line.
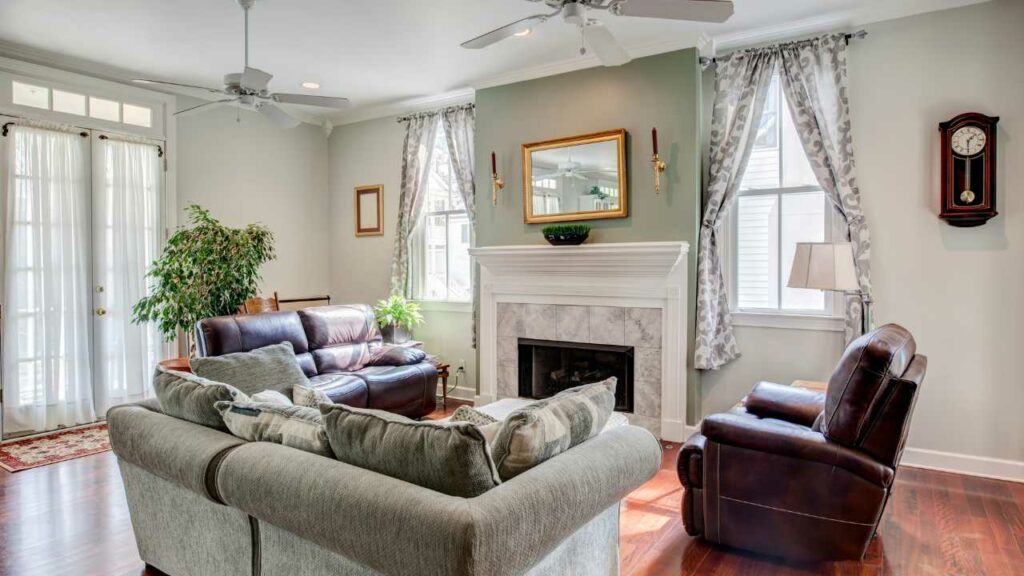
<point>27,453</point>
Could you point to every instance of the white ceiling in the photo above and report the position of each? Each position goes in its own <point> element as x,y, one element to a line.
<point>378,53</point>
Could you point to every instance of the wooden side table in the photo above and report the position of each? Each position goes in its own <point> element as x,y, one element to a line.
<point>177,364</point>
<point>442,373</point>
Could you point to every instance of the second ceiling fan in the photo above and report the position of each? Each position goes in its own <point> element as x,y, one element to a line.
<point>593,33</point>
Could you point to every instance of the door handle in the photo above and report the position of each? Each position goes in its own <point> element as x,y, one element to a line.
<point>101,311</point>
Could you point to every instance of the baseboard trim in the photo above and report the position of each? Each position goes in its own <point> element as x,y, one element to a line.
<point>994,468</point>
<point>459,393</point>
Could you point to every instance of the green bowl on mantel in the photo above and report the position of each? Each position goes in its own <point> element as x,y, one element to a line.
<point>572,235</point>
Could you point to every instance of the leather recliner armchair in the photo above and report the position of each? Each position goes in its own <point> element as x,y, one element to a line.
<point>339,349</point>
<point>801,474</point>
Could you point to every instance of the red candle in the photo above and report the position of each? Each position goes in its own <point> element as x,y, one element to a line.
<point>494,164</point>
<point>654,140</point>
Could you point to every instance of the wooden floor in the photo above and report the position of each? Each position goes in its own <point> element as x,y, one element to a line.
<point>71,518</point>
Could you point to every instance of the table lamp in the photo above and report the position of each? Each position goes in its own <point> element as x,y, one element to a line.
<point>828,266</point>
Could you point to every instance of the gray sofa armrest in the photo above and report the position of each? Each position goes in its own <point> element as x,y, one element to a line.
<point>170,448</point>
<point>400,528</point>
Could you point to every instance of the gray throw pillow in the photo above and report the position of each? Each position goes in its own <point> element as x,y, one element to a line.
<point>295,426</point>
<point>189,397</point>
<point>547,428</point>
<point>309,397</point>
<point>449,458</point>
<point>272,367</point>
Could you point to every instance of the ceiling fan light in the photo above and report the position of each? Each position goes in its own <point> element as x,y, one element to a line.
<point>311,85</point>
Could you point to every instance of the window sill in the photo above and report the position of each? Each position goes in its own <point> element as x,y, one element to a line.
<point>445,306</point>
<point>789,321</point>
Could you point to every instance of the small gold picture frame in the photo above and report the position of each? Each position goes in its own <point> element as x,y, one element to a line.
<point>369,209</point>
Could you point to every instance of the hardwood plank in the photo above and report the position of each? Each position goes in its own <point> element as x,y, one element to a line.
<point>71,518</point>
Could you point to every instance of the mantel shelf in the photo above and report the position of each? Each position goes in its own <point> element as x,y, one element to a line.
<point>648,259</point>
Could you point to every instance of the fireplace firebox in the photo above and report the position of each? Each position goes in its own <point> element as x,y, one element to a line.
<point>547,367</point>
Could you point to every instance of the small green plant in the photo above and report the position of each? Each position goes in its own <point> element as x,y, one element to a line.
<point>205,270</point>
<point>397,311</point>
<point>596,191</point>
<point>566,230</point>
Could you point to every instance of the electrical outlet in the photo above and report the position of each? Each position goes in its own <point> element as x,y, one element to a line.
<point>462,364</point>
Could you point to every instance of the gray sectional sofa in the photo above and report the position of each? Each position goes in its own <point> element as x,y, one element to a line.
<point>206,503</point>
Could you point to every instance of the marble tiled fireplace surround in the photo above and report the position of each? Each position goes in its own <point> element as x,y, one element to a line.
<point>619,325</point>
<point>625,294</point>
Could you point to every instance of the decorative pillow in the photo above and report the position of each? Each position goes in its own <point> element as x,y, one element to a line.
<point>449,458</point>
<point>543,430</point>
<point>272,367</point>
<point>192,398</point>
<point>388,355</point>
<point>468,414</point>
<point>294,426</point>
<point>271,397</point>
<point>310,397</point>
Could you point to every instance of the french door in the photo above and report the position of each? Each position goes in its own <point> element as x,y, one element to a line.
<point>82,223</point>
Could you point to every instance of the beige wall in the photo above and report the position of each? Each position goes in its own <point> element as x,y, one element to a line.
<point>957,290</point>
<point>252,171</point>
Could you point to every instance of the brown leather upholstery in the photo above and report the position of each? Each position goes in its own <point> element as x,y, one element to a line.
<point>803,475</point>
<point>333,345</point>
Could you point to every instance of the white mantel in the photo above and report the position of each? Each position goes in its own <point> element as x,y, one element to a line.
<point>632,274</point>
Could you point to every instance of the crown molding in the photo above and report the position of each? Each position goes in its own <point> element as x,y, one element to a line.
<point>408,106</point>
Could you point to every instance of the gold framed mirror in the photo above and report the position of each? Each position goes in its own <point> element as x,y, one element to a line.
<point>576,178</point>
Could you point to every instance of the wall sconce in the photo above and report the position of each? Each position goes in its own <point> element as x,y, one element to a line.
<point>496,183</point>
<point>657,162</point>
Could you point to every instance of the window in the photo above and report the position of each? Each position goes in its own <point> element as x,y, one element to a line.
<point>80,104</point>
<point>137,115</point>
<point>29,95</point>
<point>104,109</point>
<point>68,102</point>
<point>779,204</point>
<point>441,240</point>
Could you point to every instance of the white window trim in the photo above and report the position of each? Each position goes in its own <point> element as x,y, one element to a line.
<point>830,320</point>
<point>445,306</point>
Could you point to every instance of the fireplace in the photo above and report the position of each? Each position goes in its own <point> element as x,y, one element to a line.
<point>547,367</point>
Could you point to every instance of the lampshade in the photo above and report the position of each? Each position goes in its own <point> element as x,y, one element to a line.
<point>824,266</point>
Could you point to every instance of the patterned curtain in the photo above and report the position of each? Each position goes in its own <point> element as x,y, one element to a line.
<point>421,129</point>
<point>813,74</point>
<point>741,87</point>
<point>459,129</point>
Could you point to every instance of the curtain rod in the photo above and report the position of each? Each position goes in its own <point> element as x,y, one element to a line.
<point>858,35</point>
<point>51,126</point>
<point>408,117</point>
<point>136,140</point>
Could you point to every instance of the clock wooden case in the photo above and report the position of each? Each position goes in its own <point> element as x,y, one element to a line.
<point>968,169</point>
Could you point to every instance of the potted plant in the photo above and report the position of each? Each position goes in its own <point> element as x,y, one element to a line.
<point>566,234</point>
<point>396,317</point>
<point>206,269</point>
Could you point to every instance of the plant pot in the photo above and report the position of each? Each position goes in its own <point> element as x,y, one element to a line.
<point>395,334</point>
<point>566,239</point>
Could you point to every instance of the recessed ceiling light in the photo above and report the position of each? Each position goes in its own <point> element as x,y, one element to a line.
<point>310,85</point>
<point>524,32</point>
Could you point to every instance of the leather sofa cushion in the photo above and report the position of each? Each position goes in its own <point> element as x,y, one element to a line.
<point>861,381</point>
<point>344,324</point>
<point>400,389</point>
<point>396,356</point>
<point>788,403</point>
<point>342,388</point>
<point>228,334</point>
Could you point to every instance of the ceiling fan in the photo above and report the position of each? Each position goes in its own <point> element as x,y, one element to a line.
<point>249,89</point>
<point>595,35</point>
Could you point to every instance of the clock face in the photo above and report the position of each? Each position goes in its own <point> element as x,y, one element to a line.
<point>968,141</point>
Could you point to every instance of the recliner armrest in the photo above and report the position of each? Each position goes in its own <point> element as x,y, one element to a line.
<point>794,441</point>
<point>396,356</point>
<point>796,405</point>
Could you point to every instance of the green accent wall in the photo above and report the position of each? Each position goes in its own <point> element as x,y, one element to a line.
<point>662,91</point>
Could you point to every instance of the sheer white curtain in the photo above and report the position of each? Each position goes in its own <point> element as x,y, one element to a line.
<point>127,196</point>
<point>47,365</point>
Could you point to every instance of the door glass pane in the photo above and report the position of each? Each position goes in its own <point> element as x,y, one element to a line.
<point>30,95</point>
<point>68,102</point>
<point>803,220</point>
<point>757,252</point>
<point>137,115</point>
<point>104,109</point>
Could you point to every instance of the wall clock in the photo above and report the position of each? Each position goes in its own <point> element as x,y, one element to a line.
<point>968,169</point>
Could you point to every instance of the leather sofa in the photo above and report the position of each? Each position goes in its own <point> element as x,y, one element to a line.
<point>340,350</point>
<point>801,474</point>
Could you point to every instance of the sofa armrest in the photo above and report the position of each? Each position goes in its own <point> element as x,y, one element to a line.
<point>796,405</point>
<point>690,465</point>
<point>388,355</point>
<point>398,528</point>
<point>800,442</point>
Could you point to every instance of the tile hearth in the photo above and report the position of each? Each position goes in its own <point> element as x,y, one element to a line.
<point>617,325</point>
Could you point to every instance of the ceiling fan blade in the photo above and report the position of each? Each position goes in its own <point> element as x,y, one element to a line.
<point>601,41</point>
<point>507,30</point>
<point>204,104</point>
<point>311,100</point>
<point>180,85</point>
<point>278,116</point>
<point>695,10</point>
<point>255,79</point>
